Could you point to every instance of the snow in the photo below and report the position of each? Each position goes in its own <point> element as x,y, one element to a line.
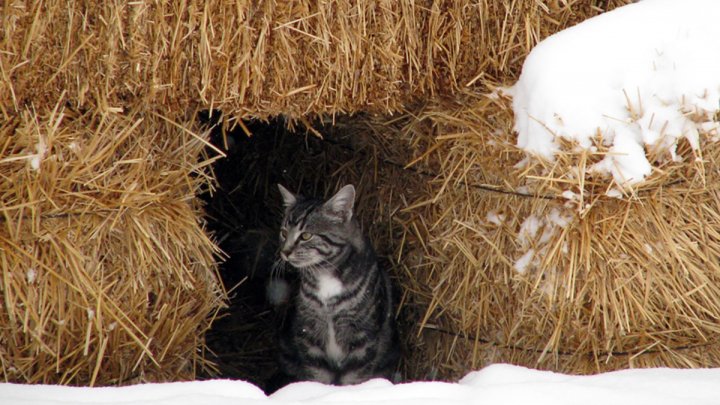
<point>41,150</point>
<point>496,384</point>
<point>528,240</point>
<point>557,218</point>
<point>31,275</point>
<point>644,76</point>
<point>494,218</point>
<point>529,229</point>
<point>569,195</point>
<point>524,261</point>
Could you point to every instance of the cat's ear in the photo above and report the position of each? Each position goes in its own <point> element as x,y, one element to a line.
<point>289,198</point>
<point>341,204</point>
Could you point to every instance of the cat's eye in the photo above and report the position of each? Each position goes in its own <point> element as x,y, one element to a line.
<point>305,236</point>
<point>283,233</point>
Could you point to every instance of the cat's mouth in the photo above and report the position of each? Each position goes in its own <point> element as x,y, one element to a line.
<point>299,263</point>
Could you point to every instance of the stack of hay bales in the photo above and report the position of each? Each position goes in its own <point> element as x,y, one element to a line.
<point>515,269</point>
<point>267,58</point>
<point>108,276</point>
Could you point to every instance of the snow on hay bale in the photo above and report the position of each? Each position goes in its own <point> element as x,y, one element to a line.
<point>108,276</point>
<point>562,260</point>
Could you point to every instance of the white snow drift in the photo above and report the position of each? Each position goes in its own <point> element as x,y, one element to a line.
<point>644,76</point>
<point>494,385</point>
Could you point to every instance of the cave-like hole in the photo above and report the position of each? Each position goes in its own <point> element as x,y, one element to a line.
<point>244,213</point>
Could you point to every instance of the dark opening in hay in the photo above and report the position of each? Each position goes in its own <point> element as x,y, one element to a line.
<point>244,213</point>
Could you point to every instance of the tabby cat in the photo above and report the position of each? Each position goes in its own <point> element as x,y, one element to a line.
<point>340,328</point>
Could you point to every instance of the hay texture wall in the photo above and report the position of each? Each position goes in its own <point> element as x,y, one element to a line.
<point>265,57</point>
<point>556,265</point>
<point>513,270</point>
<point>109,277</point>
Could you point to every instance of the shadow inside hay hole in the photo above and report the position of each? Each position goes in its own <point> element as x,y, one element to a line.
<point>244,211</point>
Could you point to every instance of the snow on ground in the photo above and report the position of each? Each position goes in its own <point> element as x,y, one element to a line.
<point>644,75</point>
<point>497,384</point>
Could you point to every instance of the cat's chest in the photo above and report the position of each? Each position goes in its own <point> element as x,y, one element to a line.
<point>328,287</point>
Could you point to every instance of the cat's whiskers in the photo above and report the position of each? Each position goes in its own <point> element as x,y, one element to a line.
<point>277,268</point>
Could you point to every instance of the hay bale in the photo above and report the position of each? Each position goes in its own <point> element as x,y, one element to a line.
<point>516,269</point>
<point>267,58</point>
<point>108,277</point>
<point>254,59</point>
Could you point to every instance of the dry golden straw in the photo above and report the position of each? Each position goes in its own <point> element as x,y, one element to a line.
<point>107,275</point>
<point>265,58</point>
<point>511,270</point>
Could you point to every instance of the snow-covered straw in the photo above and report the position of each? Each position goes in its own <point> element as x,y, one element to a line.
<point>621,282</point>
<point>642,76</point>
<point>536,244</point>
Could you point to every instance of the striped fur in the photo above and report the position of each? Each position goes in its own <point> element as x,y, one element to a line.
<point>341,328</point>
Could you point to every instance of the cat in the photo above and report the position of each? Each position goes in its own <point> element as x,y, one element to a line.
<point>340,327</point>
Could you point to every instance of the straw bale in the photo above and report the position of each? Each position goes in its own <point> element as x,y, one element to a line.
<point>108,276</point>
<point>512,268</point>
<point>109,221</point>
<point>264,58</point>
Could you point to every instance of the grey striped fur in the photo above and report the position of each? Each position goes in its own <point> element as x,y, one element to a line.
<point>340,327</point>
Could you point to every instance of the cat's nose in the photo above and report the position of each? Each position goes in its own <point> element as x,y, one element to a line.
<point>284,253</point>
